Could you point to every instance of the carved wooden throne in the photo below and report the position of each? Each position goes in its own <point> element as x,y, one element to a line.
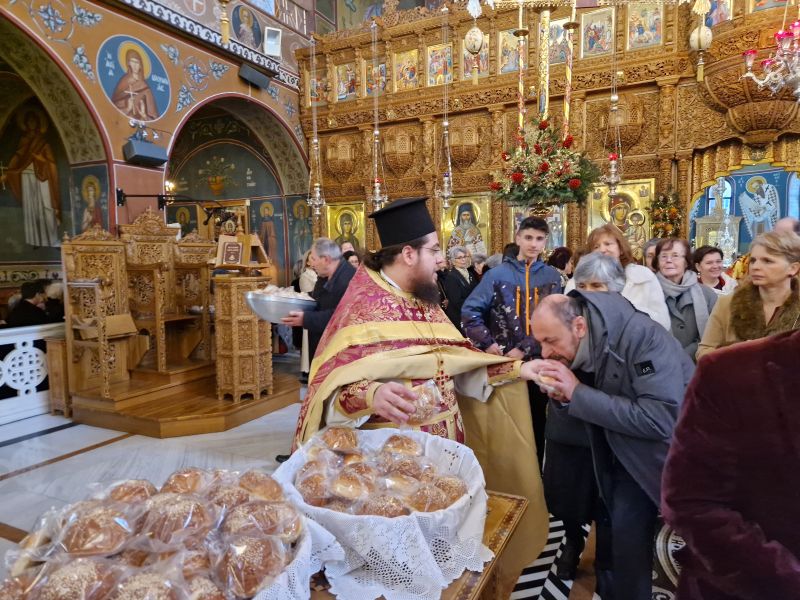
<point>193,263</point>
<point>153,285</point>
<point>101,335</point>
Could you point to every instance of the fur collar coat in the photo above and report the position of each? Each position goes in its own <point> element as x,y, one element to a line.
<point>740,316</point>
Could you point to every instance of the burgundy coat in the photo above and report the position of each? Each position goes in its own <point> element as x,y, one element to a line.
<point>731,485</point>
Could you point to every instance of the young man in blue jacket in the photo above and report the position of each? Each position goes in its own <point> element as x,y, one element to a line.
<point>496,316</point>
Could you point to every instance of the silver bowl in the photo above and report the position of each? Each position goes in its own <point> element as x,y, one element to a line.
<point>274,308</point>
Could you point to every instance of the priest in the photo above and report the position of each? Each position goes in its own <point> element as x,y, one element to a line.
<point>389,335</point>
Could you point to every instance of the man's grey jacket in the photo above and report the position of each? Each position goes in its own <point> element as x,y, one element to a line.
<point>640,377</point>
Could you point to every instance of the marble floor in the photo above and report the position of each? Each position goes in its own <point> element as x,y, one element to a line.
<point>33,479</point>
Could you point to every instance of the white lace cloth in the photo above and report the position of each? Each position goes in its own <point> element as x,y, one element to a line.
<point>411,557</point>
<point>315,548</point>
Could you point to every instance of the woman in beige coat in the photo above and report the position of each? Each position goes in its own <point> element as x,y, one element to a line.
<point>766,303</point>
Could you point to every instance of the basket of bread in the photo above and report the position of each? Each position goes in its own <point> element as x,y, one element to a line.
<point>407,507</point>
<point>204,535</point>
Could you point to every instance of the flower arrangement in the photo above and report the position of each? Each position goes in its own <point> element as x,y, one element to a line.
<point>544,170</point>
<point>666,215</point>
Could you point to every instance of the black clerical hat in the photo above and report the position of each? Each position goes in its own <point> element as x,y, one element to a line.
<point>402,221</point>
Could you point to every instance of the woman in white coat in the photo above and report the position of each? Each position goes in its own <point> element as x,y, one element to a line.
<point>641,286</point>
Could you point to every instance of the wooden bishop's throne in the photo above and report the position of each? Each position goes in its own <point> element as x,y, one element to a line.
<point>141,355</point>
<point>168,290</point>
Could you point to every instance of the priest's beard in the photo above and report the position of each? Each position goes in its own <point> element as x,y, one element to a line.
<point>425,290</point>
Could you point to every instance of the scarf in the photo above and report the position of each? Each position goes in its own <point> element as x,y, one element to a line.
<point>688,284</point>
<point>464,274</point>
<point>747,314</point>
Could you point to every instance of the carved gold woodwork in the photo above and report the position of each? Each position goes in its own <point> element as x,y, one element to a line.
<point>666,115</point>
<point>193,262</point>
<point>672,126</point>
<point>638,134</point>
<point>153,285</point>
<point>428,144</point>
<point>244,342</point>
<point>465,133</point>
<point>99,326</point>
<point>341,152</point>
<point>399,149</point>
<point>758,114</point>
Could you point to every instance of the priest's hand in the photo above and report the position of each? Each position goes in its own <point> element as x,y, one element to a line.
<point>392,401</point>
<point>561,380</point>
<point>294,318</point>
<point>515,353</point>
<point>531,368</point>
<point>494,349</point>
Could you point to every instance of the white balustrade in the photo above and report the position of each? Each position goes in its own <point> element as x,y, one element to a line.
<point>23,367</point>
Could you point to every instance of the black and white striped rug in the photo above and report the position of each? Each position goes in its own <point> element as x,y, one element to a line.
<point>539,579</point>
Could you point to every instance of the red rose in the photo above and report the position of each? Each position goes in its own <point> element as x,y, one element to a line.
<point>495,186</point>
<point>567,143</point>
<point>517,177</point>
<point>537,148</point>
<point>574,184</point>
<point>544,167</point>
<point>506,156</point>
<point>543,125</point>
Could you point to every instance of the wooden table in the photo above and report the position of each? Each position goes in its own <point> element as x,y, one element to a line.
<point>502,519</point>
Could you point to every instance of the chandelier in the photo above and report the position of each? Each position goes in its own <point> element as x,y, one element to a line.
<point>781,69</point>
<point>614,176</point>
<point>316,199</point>
<point>377,197</point>
<point>444,189</point>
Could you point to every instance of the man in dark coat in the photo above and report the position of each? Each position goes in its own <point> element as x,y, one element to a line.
<point>458,284</point>
<point>638,375</point>
<point>27,311</point>
<point>335,274</point>
<point>731,486</point>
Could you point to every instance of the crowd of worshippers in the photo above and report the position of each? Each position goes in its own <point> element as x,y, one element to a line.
<point>629,431</point>
<point>37,303</point>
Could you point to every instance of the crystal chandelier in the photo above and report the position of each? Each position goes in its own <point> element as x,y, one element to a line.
<point>316,199</point>
<point>781,69</point>
<point>375,195</point>
<point>444,189</point>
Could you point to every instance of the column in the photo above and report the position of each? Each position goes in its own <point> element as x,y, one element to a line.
<point>684,188</point>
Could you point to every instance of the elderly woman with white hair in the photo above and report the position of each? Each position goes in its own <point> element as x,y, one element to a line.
<point>458,283</point>
<point>597,272</point>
